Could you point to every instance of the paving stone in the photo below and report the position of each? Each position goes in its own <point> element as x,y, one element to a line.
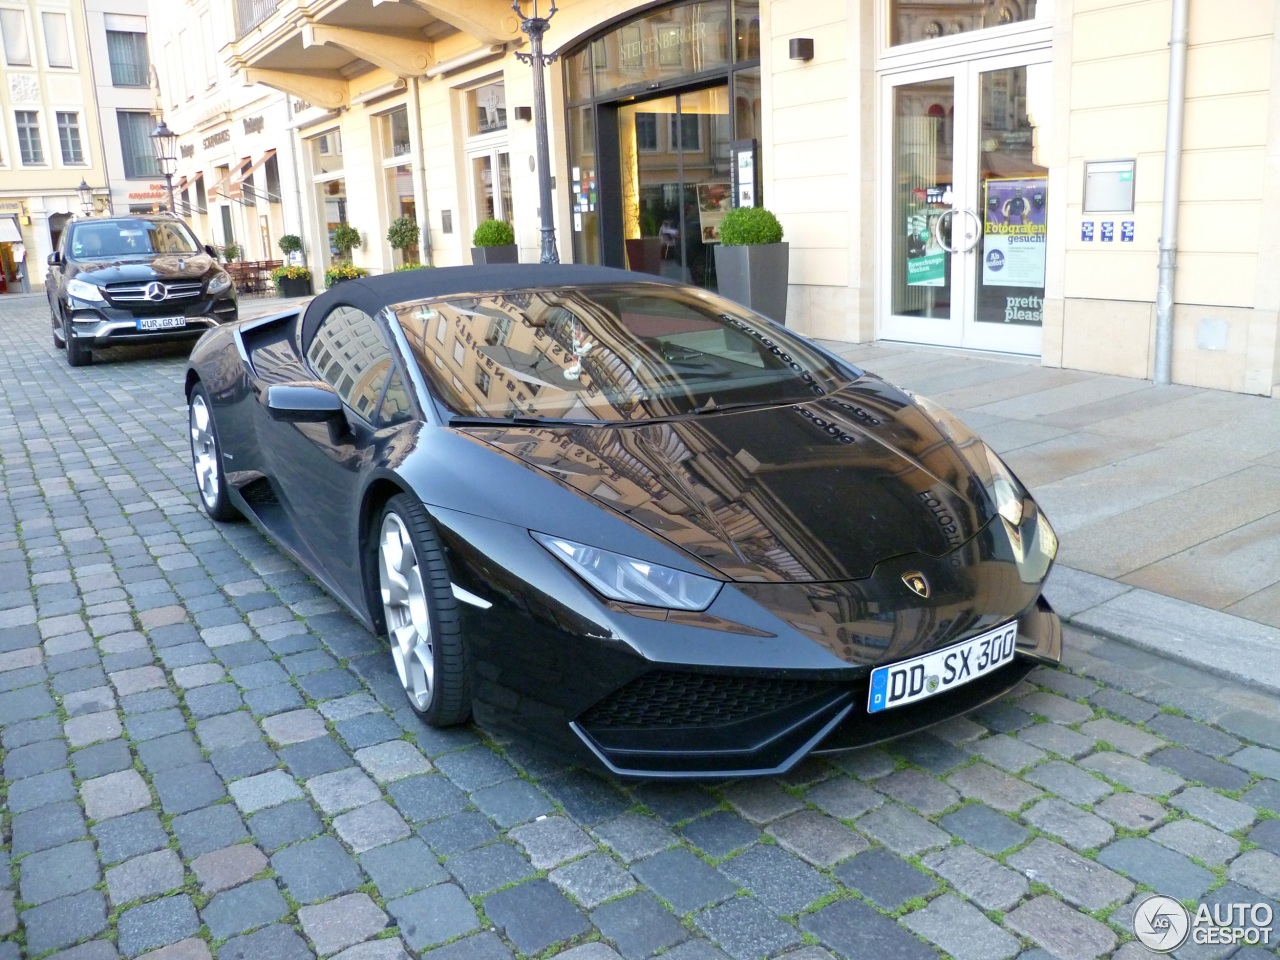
<point>265,790</point>
<point>198,675</point>
<point>188,788</point>
<point>227,730</point>
<point>92,728</point>
<point>1002,717</point>
<point>720,833</point>
<point>1068,781</point>
<point>1123,737</point>
<point>1132,773</point>
<point>115,794</point>
<point>316,870</point>
<point>328,684</point>
<point>212,828</point>
<point>125,837</point>
<point>340,923</point>
<point>314,757</point>
<point>1259,760</point>
<point>535,915</point>
<point>675,801</point>
<point>1197,767</point>
<point>1193,839</point>
<point>1081,882</point>
<point>144,876</point>
<point>370,826</point>
<point>869,763</point>
<point>169,753</point>
<point>148,726</point>
<point>275,698</point>
<point>342,790</point>
<point>593,880</point>
<point>1055,708</point>
<point>1214,809</point>
<point>367,730</point>
<point>817,838</point>
<point>853,929</point>
<point>1258,870</point>
<point>228,867</point>
<point>682,880</point>
<point>550,841</point>
<point>880,876</point>
<point>585,797</point>
<point>901,831</point>
<point>1266,835</point>
<point>1066,933</point>
<point>1008,753</point>
<point>462,831</point>
<point>276,942</point>
<point>393,949</point>
<point>993,787</point>
<point>295,726</point>
<point>245,760</point>
<point>919,791</point>
<point>32,792</point>
<point>777,879</point>
<point>1123,705</point>
<point>512,802</point>
<point>58,872</point>
<point>961,930</point>
<point>192,948</point>
<point>842,798</point>
<point>433,916</point>
<point>1074,827</point>
<point>395,760</point>
<point>1264,795</point>
<point>215,699</point>
<point>244,908</point>
<point>426,798</point>
<point>137,680</point>
<point>348,707</point>
<point>633,836</point>
<point>156,924</point>
<point>1193,735</point>
<point>400,868</point>
<point>988,884</point>
<point>93,700</point>
<point>1060,681</point>
<point>487,868</point>
<point>288,823</point>
<point>984,828</point>
<point>594,950</point>
<point>60,923</point>
<point>638,925</point>
<point>149,700</point>
<point>45,828</point>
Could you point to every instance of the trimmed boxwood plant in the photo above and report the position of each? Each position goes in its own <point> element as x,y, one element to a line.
<point>346,238</point>
<point>493,233</point>
<point>749,227</point>
<point>403,233</point>
<point>290,244</point>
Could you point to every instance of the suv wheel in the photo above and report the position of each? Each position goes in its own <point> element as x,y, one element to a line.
<point>78,355</point>
<point>57,326</point>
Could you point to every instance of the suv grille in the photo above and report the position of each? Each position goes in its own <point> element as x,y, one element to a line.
<point>674,700</point>
<point>143,292</point>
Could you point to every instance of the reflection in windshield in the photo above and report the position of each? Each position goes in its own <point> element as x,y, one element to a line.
<point>624,352</point>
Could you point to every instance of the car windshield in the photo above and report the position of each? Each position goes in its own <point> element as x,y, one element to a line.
<point>131,238</point>
<point>614,353</point>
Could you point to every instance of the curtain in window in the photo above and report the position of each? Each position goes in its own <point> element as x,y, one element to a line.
<point>128,55</point>
<point>17,51</point>
<point>57,39</point>
<point>135,143</point>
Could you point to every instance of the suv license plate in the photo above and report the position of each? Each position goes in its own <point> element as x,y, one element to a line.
<point>161,323</point>
<point>898,684</point>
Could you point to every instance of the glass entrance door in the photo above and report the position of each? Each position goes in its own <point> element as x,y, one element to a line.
<point>964,225</point>
<point>674,159</point>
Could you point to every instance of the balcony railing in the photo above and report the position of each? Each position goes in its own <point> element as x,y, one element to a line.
<point>250,13</point>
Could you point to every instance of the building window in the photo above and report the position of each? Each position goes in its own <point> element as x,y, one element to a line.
<point>135,144</point>
<point>29,137</point>
<point>487,107</point>
<point>210,48</point>
<point>326,152</point>
<point>647,131</point>
<point>686,132</point>
<point>69,137</point>
<point>17,50</point>
<point>127,52</point>
<point>57,39</point>
<point>395,133</point>
<point>483,381</point>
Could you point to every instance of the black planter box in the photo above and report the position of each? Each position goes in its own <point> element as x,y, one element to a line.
<point>293,288</point>
<point>506,253</point>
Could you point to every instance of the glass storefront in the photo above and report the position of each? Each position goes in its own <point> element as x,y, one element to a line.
<point>650,174</point>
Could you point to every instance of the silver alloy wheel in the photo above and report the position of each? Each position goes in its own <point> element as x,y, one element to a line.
<point>204,452</point>
<point>404,604</point>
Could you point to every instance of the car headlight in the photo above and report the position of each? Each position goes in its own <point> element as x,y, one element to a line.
<point>220,282</point>
<point>630,580</point>
<point>83,290</point>
<point>1004,489</point>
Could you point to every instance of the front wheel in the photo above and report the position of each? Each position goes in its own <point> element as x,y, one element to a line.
<point>78,355</point>
<point>206,456</point>
<point>421,614</point>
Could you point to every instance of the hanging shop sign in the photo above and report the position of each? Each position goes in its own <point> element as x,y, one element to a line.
<point>1014,232</point>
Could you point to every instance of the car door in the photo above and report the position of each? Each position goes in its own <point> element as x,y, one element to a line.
<point>320,467</point>
<point>55,274</point>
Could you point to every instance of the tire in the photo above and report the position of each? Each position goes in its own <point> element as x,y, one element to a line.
<point>420,614</point>
<point>78,355</point>
<point>206,456</point>
<point>56,323</point>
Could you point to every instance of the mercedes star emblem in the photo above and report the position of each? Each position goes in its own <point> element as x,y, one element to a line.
<point>156,291</point>
<point>916,583</point>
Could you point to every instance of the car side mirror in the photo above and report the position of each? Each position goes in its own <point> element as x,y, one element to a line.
<point>55,258</point>
<point>303,402</point>
<point>208,248</point>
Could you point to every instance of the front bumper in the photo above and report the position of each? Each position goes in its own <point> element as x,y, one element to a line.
<point>103,325</point>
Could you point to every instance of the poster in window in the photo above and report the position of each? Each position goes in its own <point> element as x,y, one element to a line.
<point>1014,232</point>
<point>746,186</point>
<point>714,201</point>
<point>926,257</point>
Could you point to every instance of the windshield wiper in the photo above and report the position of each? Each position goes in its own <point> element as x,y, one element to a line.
<point>712,407</point>
<point>460,420</point>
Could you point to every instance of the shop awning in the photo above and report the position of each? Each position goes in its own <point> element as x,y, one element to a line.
<point>186,182</point>
<point>249,172</point>
<point>9,232</point>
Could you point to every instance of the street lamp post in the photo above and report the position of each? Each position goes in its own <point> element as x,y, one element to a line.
<point>86,197</point>
<point>164,142</point>
<point>535,26</point>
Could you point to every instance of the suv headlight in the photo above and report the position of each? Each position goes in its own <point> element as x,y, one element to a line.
<point>220,282</point>
<point>83,290</point>
<point>630,580</point>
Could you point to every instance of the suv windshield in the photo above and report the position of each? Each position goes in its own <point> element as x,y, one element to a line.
<point>131,238</point>
<point>617,352</point>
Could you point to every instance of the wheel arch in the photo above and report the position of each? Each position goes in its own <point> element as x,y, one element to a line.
<point>376,496</point>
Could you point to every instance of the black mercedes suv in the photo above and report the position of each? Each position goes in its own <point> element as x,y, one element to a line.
<point>118,280</point>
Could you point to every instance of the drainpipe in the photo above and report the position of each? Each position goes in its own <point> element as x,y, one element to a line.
<point>1169,202</point>
<point>417,147</point>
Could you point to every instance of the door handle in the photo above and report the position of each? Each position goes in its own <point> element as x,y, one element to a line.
<point>970,239</point>
<point>974,237</point>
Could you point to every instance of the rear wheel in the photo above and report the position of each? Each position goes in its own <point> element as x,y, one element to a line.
<point>78,355</point>
<point>206,456</point>
<point>421,614</point>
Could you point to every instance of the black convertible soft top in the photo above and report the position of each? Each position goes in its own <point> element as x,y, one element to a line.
<point>371,294</point>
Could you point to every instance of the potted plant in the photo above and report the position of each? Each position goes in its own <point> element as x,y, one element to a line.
<point>230,252</point>
<point>413,266</point>
<point>494,242</point>
<point>291,281</point>
<point>345,239</point>
<point>343,270</point>
<point>290,244</point>
<point>403,236</point>
<point>752,261</point>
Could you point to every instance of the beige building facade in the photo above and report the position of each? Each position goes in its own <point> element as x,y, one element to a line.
<point>982,176</point>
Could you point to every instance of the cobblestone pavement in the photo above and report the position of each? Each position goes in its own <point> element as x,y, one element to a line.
<point>203,756</point>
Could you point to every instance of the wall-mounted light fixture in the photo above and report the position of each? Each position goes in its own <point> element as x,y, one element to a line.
<point>801,48</point>
<point>524,113</point>
<point>86,197</point>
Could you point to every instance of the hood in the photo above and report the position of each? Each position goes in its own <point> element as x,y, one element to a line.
<point>129,270</point>
<point>818,491</point>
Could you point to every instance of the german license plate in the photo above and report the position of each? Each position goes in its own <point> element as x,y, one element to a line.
<point>898,684</point>
<point>161,323</point>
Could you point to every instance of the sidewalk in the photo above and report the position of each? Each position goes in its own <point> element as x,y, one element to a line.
<point>1166,499</point>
